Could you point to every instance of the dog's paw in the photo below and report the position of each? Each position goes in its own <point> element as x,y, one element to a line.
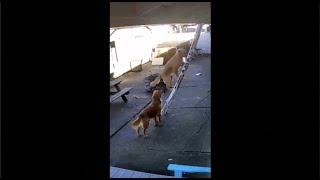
<point>146,136</point>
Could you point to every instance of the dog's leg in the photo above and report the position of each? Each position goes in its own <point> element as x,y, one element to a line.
<point>137,131</point>
<point>145,127</point>
<point>177,75</point>
<point>156,123</point>
<point>155,82</point>
<point>158,117</point>
<point>167,81</point>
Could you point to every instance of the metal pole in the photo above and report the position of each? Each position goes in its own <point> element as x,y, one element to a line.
<point>195,42</point>
<point>184,68</point>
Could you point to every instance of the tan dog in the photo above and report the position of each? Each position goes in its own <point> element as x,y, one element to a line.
<point>152,111</point>
<point>171,67</point>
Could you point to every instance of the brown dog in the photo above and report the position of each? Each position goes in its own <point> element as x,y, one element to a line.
<point>171,67</point>
<point>152,111</point>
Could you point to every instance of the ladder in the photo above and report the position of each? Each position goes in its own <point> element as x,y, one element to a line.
<point>184,68</point>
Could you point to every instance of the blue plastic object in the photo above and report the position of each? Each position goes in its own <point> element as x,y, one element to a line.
<point>179,169</point>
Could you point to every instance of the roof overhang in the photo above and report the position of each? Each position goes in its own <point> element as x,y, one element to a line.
<point>123,14</point>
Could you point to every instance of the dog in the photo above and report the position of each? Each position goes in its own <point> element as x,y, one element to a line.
<point>171,67</point>
<point>153,110</point>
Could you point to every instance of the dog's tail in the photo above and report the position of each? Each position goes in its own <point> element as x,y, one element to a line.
<point>155,82</point>
<point>135,123</point>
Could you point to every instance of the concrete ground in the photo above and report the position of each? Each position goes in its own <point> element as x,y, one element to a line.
<point>185,135</point>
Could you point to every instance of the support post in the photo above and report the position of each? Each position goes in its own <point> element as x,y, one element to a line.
<point>184,68</point>
<point>113,32</point>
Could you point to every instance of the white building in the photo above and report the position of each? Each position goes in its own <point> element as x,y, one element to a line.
<point>130,47</point>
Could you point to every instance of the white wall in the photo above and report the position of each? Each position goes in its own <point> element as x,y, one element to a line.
<point>131,44</point>
<point>137,43</point>
<point>204,43</point>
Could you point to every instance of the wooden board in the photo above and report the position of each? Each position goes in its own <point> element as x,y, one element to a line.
<point>125,173</point>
